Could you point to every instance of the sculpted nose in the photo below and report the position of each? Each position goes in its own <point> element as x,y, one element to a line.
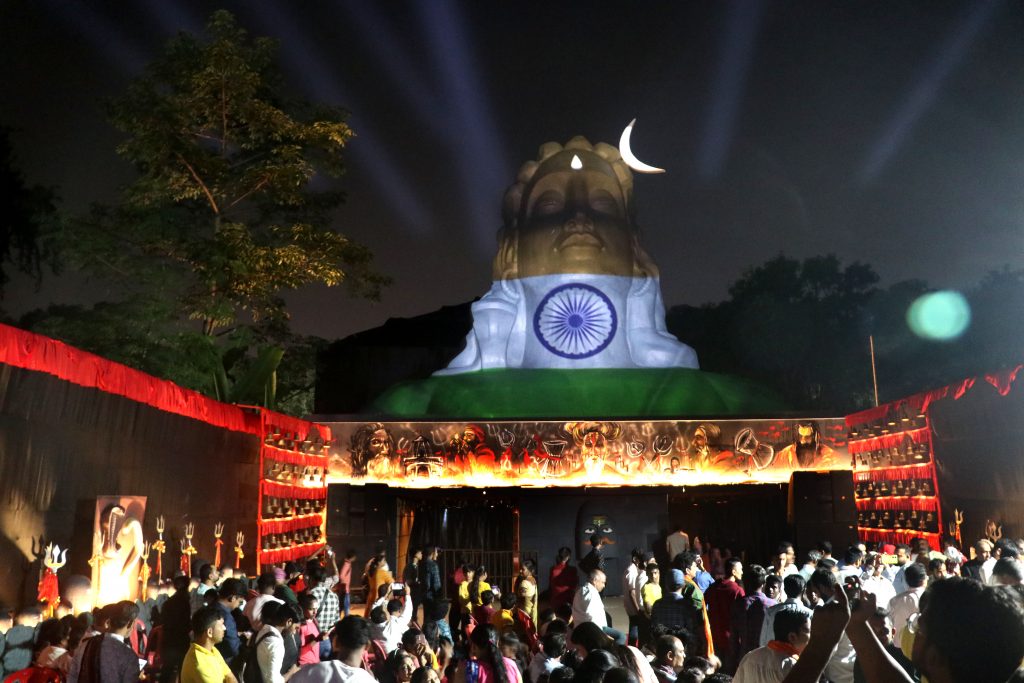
<point>579,222</point>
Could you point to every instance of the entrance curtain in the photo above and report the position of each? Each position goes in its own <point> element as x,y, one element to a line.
<point>468,527</point>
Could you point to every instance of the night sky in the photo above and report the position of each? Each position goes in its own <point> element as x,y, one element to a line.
<point>891,133</point>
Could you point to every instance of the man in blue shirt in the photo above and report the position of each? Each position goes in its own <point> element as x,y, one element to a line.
<point>230,597</point>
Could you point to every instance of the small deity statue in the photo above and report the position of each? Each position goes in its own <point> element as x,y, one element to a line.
<point>572,286</point>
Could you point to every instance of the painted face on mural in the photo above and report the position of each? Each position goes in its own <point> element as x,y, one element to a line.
<point>380,443</point>
<point>469,437</point>
<point>600,525</point>
<point>700,440</point>
<point>583,453</point>
<point>575,220</point>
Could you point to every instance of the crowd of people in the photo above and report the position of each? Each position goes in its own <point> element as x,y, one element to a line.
<point>870,613</point>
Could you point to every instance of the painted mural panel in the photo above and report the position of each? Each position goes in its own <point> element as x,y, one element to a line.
<point>596,453</point>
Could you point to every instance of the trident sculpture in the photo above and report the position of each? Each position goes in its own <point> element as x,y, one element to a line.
<point>187,549</point>
<point>218,531</point>
<point>49,591</point>
<point>144,572</point>
<point>954,526</point>
<point>160,547</point>
<point>239,541</point>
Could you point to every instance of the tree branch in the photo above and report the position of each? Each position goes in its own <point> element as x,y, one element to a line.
<point>202,185</point>
<point>263,181</point>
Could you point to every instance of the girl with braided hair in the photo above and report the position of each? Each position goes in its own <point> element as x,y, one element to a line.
<point>486,663</point>
<point>478,585</point>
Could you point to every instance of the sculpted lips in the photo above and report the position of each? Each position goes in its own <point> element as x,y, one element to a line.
<point>579,240</point>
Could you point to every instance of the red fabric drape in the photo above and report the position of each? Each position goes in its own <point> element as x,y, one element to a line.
<point>293,458</point>
<point>888,441</point>
<point>29,351</point>
<point>276,423</point>
<point>298,552</point>
<point>923,471</point>
<point>901,536</point>
<point>301,492</point>
<point>921,503</point>
<point>281,526</point>
<point>1003,381</point>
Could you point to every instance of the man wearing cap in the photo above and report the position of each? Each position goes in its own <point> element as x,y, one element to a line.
<point>683,606</point>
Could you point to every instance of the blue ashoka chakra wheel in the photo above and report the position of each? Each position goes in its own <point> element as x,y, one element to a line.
<point>575,321</point>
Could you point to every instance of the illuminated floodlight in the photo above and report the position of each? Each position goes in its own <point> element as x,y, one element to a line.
<point>939,316</point>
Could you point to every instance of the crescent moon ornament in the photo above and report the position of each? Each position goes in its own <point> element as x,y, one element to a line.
<point>629,158</point>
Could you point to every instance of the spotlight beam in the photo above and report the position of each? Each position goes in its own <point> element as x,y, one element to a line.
<point>919,100</point>
<point>400,67</point>
<point>366,148</point>
<point>482,164</point>
<point>729,84</point>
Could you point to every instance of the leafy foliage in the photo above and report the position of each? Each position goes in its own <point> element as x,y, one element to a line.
<point>802,328</point>
<point>231,208</point>
<point>223,213</point>
<point>29,214</point>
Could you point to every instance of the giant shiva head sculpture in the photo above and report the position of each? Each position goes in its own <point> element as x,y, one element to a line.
<point>571,211</point>
<point>573,287</point>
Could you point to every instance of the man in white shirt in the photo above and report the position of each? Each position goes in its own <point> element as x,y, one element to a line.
<point>895,572</point>
<point>350,639</point>
<point>905,604</point>
<point>587,605</point>
<point>395,623</point>
<point>265,584</point>
<point>793,586</point>
<point>874,581</point>
<point>839,668</point>
<point>852,560</point>
<point>771,663</point>
<point>280,620</point>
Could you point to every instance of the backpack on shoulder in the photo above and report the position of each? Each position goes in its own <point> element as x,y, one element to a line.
<point>251,672</point>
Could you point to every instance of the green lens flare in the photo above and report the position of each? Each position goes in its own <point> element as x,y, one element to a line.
<point>939,316</point>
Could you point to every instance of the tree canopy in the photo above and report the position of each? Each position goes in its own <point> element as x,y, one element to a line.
<point>232,206</point>
<point>802,328</point>
<point>29,214</point>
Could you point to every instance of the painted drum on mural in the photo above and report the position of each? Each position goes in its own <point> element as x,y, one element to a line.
<point>597,453</point>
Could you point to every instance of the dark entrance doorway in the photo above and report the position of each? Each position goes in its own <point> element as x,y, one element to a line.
<point>748,518</point>
<point>471,527</point>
